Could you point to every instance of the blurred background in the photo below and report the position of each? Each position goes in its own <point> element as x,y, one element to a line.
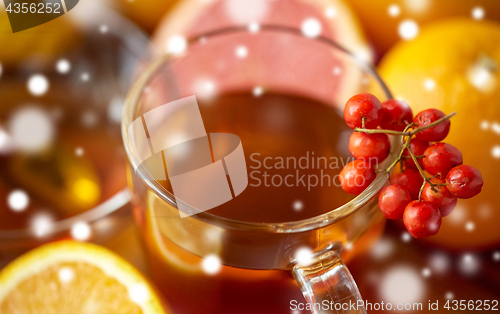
<point>66,81</point>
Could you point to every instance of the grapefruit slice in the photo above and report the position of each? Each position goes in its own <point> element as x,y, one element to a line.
<point>74,277</point>
<point>273,62</point>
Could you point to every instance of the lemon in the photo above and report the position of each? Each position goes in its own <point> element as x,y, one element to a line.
<point>454,65</point>
<point>74,277</point>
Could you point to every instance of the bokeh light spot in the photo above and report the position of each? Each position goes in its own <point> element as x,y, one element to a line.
<point>429,84</point>
<point>18,200</point>
<point>405,237</point>
<point>331,12</point>
<point>241,52</point>
<point>85,77</point>
<point>81,231</point>
<point>42,224</point>
<point>66,274</point>
<point>115,109</point>
<point>4,139</point>
<point>469,264</point>
<point>408,29</point>
<point>177,44</point>
<point>31,129</point>
<point>103,28</point>
<point>205,89</point>
<point>382,249</point>
<point>477,13</point>
<point>394,10</point>
<point>298,205</point>
<point>304,256</point>
<point>402,284</point>
<point>139,293</point>
<point>257,91</point>
<point>484,125</point>
<point>38,85</point>
<point>439,263</point>
<point>495,127</point>
<point>482,78</point>
<point>311,27</point>
<point>495,152</point>
<point>253,27</point>
<point>496,256</point>
<point>63,66</point>
<point>426,272</point>
<point>211,264</point>
<point>470,226</point>
<point>79,151</point>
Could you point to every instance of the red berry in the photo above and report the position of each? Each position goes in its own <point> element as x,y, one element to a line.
<point>356,176</point>
<point>422,219</point>
<point>441,157</point>
<point>396,116</point>
<point>442,198</point>
<point>464,181</point>
<point>418,148</point>
<point>393,200</point>
<point>447,209</point>
<point>436,133</point>
<point>411,180</point>
<point>370,147</point>
<point>363,106</point>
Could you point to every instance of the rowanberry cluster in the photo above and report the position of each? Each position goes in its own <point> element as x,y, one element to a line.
<point>432,175</point>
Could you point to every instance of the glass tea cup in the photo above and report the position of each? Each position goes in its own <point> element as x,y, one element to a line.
<point>61,159</point>
<point>245,98</point>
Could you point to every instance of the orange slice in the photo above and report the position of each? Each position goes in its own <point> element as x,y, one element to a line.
<point>74,277</point>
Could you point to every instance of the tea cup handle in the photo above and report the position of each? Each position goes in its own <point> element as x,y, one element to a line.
<point>327,284</point>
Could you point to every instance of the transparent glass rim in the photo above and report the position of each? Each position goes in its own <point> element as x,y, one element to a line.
<point>281,227</point>
<point>136,41</point>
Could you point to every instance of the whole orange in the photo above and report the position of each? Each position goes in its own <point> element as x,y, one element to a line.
<point>381,19</point>
<point>454,65</point>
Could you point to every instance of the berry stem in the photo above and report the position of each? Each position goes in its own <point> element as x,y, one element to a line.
<point>373,131</point>
<point>421,190</point>
<point>422,173</point>
<point>406,132</point>
<point>405,145</point>
<point>417,156</point>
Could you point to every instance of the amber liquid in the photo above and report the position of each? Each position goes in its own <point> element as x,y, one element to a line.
<point>294,150</point>
<point>272,126</point>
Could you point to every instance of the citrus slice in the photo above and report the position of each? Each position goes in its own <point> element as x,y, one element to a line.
<point>74,277</point>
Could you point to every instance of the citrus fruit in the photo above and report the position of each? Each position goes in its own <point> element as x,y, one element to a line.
<point>454,65</point>
<point>335,18</point>
<point>269,60</point>
<point>381,19</point>
<point>74,277</point>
